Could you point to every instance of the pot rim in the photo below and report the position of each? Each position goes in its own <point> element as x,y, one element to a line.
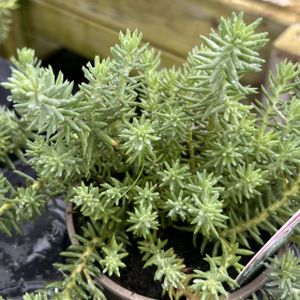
<point>126,294</point>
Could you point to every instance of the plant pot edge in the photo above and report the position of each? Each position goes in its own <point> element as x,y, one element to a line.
<point>118,292</point>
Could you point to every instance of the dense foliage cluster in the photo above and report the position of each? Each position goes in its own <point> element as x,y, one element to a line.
<point>284,281</point>
<point>140,148</point>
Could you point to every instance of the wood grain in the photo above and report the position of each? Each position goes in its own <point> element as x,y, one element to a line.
<point>75,31</point>
<point>91,27</point>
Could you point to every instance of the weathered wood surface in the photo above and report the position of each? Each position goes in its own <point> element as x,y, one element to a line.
<point>288,43</point>
<point>286,46</point>
<point>91,27</point>
<point>171,25</point>
<point>285,12</point>
<point>290,4</point>
<point>15,38</point>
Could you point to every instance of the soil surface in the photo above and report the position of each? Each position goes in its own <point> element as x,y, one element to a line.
<point>140,280</point>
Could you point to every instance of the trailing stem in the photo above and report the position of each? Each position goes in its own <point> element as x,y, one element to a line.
<point>266,213</point>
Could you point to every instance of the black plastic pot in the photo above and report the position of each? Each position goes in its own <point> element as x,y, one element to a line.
<point>4,74</point>
<point>26,260</point>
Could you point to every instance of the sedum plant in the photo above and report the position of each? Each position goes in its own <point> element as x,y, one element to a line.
<point>141,148</point>
<point>284,277</point>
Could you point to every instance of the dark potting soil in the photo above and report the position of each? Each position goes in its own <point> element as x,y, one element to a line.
<point>141,280</point>
<point>137,279</point>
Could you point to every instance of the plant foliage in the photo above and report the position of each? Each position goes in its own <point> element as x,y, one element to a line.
<point>140,148</point>
<point>284,277</point>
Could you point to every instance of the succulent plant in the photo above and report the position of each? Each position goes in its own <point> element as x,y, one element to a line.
<point>141,148</point>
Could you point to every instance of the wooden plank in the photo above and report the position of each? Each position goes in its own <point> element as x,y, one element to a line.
<point>288,43</point>
<point>289,4</point>
<point>170,25</point>
<point>91,27</point>
<point>15,38</point>
<point>175,25</point>
<point>44,47</point>
<point>19,36</point>
<point>286,46</point>
<point>79,33</point>
<point>285,12</point>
